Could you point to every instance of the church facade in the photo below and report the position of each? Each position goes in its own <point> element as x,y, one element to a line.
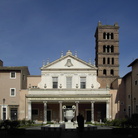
<point>69,81</point>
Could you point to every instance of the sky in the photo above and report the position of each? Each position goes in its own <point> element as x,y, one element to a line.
<point>33,31</point>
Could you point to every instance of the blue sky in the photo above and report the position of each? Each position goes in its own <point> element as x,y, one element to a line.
<point>32,31</point>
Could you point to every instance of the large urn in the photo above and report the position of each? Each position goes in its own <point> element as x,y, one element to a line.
<point>69,113</point>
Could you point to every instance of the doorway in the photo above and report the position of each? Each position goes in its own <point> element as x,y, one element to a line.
<point>14,113</point>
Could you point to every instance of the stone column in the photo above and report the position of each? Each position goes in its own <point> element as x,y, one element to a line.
<point>92,111</point>
<point>29,110</point>
<point>45,112</point>
<point>60,112</point>
<point>107,110</point>
<point>77,109</point>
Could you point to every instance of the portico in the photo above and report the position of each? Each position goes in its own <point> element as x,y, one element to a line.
<point>49,108</point>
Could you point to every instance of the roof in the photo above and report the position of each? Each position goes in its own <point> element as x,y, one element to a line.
<point>134,62</point>
<point>69,54</point>
<point>14,68</point>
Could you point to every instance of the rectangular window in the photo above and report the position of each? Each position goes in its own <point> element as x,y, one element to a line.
<point>55,82</point>
<point>83,82</point>
<point>12,92</point>
<point>13,75</point>
<point>69,82</point>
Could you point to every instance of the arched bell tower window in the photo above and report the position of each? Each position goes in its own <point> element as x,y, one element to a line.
<point>104,60</point>
<point>104,72</point>
<point>112,72</point>
<point>112,61</point>
<point>112,49</point>
<point>104,35</point>
<point>104,48</point>
<point>112,36</point>
<point>108,60</point>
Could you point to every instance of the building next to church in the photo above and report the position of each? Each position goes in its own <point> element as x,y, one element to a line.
<point>97,91</point>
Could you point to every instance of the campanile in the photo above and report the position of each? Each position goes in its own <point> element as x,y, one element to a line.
<point>107,53</point>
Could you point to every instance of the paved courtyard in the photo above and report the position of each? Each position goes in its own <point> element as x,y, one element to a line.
<point>36,132</point>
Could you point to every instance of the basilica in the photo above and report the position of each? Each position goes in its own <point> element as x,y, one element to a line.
<point>97,91</point>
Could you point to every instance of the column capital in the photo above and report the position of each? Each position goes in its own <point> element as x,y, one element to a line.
<point>107,102</point>
<point>92,101</point>
<point>29,102</point>
<point>44,101</point>
<point>76,101</point>
<point>60,101</point>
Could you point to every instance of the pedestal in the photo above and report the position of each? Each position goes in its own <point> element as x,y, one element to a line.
<point>69,125</point>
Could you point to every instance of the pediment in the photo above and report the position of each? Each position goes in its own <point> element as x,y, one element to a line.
<point>68,62</point>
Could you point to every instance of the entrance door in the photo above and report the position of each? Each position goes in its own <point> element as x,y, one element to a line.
<point>13,113</point>
<point>48,115</point>
<point>88,114</point>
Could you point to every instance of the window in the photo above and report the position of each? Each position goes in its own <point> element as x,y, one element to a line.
<point>112,49</point>
<point>12,92</point>
<point>13,75</point>
<point>112,36</point>
<point>108,36</point>
<point>104,35</point>
<point>104,72</point>
<point>112,61</point>
<point>104,48</point>
<point>108,49</point>
<point>136,82</point>
<point>112,72</point>
<point>104,60</point>
<point>108,60</point>
<point>83,82</point>
<point>69,82</point>
<point>55,82</point>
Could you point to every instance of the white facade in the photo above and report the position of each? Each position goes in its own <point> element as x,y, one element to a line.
<point>69,66</point>
<point>68,81</point>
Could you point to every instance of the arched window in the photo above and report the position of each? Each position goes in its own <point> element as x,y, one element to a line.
<point>104,48</point>
<point>104,72</point>
<point>108,60</point>
<point>112,72</point>
<point>108,49</point>
<point>108,36</point>
<point>112,61</point>
<point>112,48</point>
<point>104,60</point>
<point>112,36</point>
<point>104,35</point>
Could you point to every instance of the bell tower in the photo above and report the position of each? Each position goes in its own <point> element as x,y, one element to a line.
<point>107,53</point>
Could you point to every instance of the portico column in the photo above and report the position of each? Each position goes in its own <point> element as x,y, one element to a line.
<point>29,110</point>
<point>60,112</point>
<point>92,111</point>
<point>45,112</point>
<point>77,109</point>
<point>107,110</point>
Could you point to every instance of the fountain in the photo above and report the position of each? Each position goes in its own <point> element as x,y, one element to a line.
<point>69,114</point>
